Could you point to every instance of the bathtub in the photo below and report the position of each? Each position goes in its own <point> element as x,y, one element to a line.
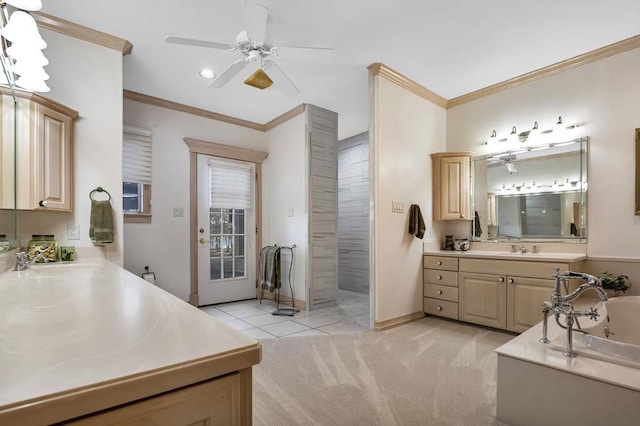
<point>614,337</point>
<point>537,384</point>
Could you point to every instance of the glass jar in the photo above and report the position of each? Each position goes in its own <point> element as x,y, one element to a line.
<point>5,245</point>
<point>44,245</point>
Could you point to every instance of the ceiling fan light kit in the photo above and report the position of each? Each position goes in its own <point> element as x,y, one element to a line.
<point>259,79</point>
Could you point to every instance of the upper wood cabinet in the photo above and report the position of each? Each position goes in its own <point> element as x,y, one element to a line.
<point>451,185</point>
<point>43,152</point>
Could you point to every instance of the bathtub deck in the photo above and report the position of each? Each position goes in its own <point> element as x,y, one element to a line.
<point>538,385</point>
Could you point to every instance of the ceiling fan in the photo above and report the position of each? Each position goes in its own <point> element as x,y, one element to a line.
<point>251,43</point>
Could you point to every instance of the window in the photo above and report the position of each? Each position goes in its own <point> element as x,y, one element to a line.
<point>230,199</point>
<point>136,174</point>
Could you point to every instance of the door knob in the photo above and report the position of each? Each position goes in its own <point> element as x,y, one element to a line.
<point>203,241</point>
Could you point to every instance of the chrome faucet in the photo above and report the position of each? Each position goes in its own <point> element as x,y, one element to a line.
<point>23,262</point>
<point>523,249</point>
<point>562,304</point>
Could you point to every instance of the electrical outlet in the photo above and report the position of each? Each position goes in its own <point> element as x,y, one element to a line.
<point>178,212</point>
<point>73,232</point>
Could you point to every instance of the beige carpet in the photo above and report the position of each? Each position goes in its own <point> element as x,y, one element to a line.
<point>429,372</point>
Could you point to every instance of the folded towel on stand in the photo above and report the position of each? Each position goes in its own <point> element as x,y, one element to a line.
<point>101,222</point>
<point>270,268</point>
<point>416,223</point>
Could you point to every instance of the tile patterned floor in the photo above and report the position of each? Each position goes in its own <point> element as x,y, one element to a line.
<point>253,318</point>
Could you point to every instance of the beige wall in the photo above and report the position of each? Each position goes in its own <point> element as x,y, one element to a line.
<point>604,97</point>
<point>406,130</point>
<point>284,188</point>
<point>88,78</point>
<point>163,245</point>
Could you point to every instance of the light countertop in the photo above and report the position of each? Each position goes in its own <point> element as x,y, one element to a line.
<point>65,327</point>
<point>504,255</point>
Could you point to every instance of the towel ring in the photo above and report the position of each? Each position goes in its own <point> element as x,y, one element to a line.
<point>99,189</point>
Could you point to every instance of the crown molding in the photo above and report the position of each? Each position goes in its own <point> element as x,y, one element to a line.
<point>163,103</point>
<point>395,77</point>
<point>285,117</point>
<point>586,58</point>
<point>72,29</point>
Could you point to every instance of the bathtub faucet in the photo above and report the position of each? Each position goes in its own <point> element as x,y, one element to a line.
<point>561,304</point>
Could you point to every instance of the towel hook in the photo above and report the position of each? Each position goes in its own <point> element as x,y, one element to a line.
<point>99,189</point>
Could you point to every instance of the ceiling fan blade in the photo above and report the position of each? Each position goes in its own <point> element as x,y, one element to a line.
<point>255,18</point>
<point>305,53</point>
<point>280,78</point>
<point>229,73</point>
<point>198,43</point>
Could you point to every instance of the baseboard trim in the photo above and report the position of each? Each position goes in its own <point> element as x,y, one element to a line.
<point>285,301</point>
<point>394,322</point>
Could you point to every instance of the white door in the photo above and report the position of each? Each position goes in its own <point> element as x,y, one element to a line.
<point>226,230</point>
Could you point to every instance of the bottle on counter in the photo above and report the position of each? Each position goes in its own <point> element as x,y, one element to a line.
<point>44,245</point>
<point>5,245</point>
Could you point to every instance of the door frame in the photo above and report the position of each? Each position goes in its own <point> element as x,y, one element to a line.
<point>198,146</point>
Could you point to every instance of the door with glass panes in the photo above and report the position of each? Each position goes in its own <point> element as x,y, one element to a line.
<point>226,230</point>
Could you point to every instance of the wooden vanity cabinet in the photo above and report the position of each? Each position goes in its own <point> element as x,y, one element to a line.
<point>451,185</point>
<point>440,286</point>
<point>524,301</point>
<point>503,293</point>
<point>44,144</point>
<point>483,299</point>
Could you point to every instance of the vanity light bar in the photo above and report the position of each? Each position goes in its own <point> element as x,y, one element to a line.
<point>534,132</point>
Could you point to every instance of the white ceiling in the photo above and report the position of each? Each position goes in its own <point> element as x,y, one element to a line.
<point>450,47</point>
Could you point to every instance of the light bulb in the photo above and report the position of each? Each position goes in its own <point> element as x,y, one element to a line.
<point>513,136</point>
<point>22,30</point>
<point>534,133</point>
<point>493,137</point>
<point>31,56</point>
<point>34,85</point>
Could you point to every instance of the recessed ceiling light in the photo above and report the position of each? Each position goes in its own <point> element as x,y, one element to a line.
<point>207,74</point>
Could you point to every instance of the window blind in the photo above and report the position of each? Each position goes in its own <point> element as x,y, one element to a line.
<point>136,155</point>
<point>230,185</point>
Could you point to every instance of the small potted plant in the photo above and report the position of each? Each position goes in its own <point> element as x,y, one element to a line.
<point>615,284</point>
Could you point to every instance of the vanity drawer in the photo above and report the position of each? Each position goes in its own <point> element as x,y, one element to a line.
<point>441,292</point>
<point>449,278</point>
<point>441,262</point>
<point>441,308</point>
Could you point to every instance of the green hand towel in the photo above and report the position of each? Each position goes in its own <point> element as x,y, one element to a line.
<point>101,222</point>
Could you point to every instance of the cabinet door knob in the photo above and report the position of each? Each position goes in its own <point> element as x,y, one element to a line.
<point>510,280</point>
<point>439,308</point>
<point>439,263</point>
<point>439,291</point>
<point>501,279</point>
<point>439,277</point>
<point>461,216</point>
<point>42,203</point>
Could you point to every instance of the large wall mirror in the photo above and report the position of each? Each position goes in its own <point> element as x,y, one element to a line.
<point>532,194</point>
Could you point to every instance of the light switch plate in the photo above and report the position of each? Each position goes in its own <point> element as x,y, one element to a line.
<point>73,231</point>
<point>397,207</point>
